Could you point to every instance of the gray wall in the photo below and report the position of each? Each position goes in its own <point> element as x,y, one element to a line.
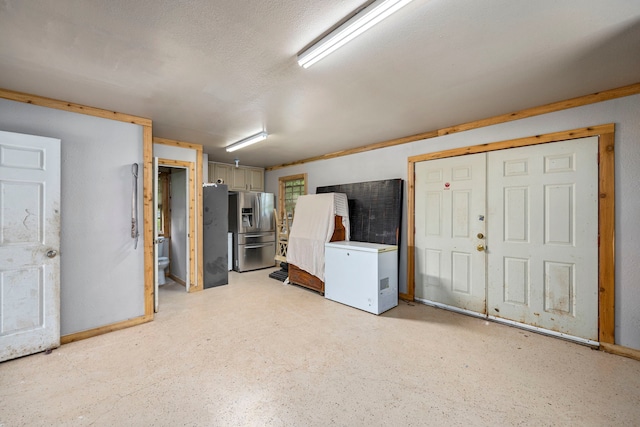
<point>179,221</point>
<point>624,112</point>
<point>101,275</point>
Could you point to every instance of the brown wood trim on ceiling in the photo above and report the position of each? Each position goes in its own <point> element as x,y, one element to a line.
<point>593,98</point>
<point>183,144</point>
<point>606,211</point>
<point>72,107</point>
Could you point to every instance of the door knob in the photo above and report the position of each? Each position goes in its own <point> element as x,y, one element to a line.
<point>480,248</point>
<point>480,236</point>
<point>52,253</point>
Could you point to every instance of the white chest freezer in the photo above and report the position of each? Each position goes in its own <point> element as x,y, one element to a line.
<point>362,275</point>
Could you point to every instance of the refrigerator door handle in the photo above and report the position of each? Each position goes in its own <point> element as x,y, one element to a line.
<point>259,212</point>
<point>257,246</point>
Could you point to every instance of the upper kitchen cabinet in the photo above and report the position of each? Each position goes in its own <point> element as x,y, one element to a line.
<point>220,172</point>
<point>242,178</point>
<point>255,178</point>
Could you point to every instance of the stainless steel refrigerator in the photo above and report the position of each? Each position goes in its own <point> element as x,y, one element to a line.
<point>252,222</point>
<point>215,226</point>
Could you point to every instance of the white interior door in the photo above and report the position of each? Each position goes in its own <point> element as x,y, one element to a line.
<point>450,202</point>
<point>155,234</point>
<point>29,244</point>
<point>543,236</point>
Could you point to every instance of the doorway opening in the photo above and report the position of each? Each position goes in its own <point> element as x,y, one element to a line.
<point>174,223</point>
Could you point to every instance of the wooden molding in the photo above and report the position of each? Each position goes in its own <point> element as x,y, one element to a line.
<point>66,339</point>
<point>183,144</point>
<point>364,148</point>
<point>200,227</point>
<point>411,233</point>
<point>619,350</point>
<point>606,211</point>
<point>544,109</point>
<point>178,280</point>
<point>593,98</point>
<point>519,142</point>
<point>148,218</point>
<point>607,233</point>
<point>70,106</point>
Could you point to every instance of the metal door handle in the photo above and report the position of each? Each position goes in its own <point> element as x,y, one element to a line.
<point>259,212</point>
<point>51,253</point>
<point>480,248</point>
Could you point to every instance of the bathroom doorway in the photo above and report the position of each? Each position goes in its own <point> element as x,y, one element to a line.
<point>174,202</point>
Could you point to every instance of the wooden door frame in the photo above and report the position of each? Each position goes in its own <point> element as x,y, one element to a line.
<point>606,211</point>
<point>196,185</point>
<point>190,166</point>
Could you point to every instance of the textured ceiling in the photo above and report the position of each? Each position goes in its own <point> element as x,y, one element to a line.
<point>213,72</point>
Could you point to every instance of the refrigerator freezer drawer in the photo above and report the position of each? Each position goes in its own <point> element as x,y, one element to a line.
<point>256,255</point>
<point>256,238</point>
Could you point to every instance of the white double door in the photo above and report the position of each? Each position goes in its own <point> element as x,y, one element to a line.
<point>512,234</point>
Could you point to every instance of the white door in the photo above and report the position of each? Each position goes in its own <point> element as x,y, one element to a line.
<point>450,216</point>
<point>155,235</point>
<point>543,236</point>
<point>29,244</point>
<point>541,242</point>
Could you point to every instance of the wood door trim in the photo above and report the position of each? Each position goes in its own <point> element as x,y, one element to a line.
<point>199,284</point>
<point>190,166</point>
<point>149,217</point>
<point>606,211</point>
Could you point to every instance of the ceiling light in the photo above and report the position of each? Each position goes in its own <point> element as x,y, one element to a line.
<point>356,25</point>
<point>247,141</point>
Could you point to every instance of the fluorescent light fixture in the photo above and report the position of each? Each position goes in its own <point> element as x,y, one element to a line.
<point>247,141</point>
<point>356,25</point>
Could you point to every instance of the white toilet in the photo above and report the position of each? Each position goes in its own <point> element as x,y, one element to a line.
<point>163,259</point>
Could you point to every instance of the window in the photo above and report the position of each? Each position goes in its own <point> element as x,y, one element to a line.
<point>290,188</point>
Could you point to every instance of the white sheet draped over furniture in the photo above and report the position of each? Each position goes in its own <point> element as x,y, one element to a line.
<point>313,226</point>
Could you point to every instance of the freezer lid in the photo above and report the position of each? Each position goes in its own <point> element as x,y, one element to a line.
<point>361,246</point>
